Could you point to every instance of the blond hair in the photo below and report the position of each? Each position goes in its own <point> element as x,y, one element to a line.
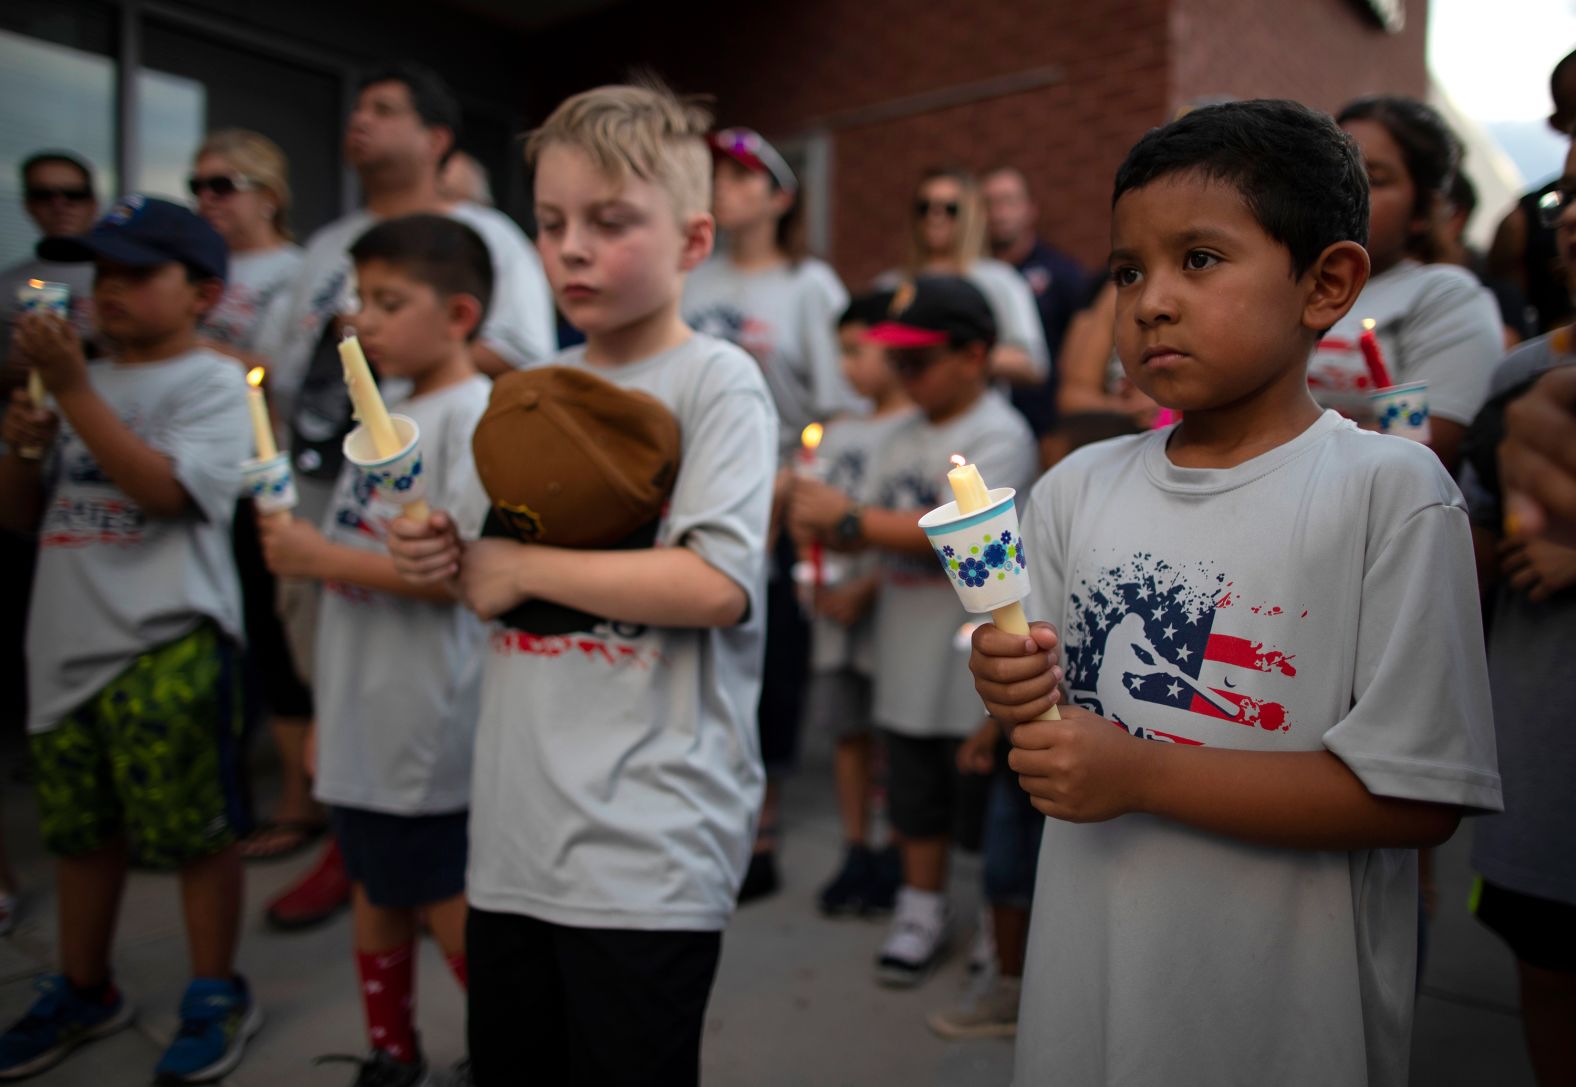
<point>968,244</point>
<point>257,157</point>
<point>641,129</point>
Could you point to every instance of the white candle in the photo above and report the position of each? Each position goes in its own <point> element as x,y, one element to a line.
<point>35,388</point>
<point>365,397</point>
<point>262,428</point>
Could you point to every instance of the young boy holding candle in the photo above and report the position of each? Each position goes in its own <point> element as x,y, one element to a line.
<point>618,772</point>
<point>1277,612</point>
<point>132,651</point>
<point>939,331</point>
<point>399,665</point>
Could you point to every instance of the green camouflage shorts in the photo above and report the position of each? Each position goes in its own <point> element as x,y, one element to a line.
<point>155,756</point>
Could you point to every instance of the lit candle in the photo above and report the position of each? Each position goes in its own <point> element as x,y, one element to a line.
<point>35,388</point>
<point>968,487</point>
<point>370,410</point>
<point>1369,345</point>
<point>262,428</point>
<point>809,442</point>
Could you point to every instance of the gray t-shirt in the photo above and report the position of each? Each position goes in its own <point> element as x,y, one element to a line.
<point>785,317</point>
<point>399,680</point>
<point>1529,848</point>
<point>618,772</point>
<point>1434,323</point>
<point>112,582</point>
<point>256,292</point>
<point>922,682</point>
<point>1319,597</point>
<point>846,452</point>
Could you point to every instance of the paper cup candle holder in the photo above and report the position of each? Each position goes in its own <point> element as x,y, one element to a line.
<point>385,448</point>
<point>1401,410</point>
<point>976,539</point>
<point>269,482</point>
<point>41,296</point>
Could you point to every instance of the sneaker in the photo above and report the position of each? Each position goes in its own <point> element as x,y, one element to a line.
<point>760,879</point>
<point>886,876</point>
<point>916,939</point>
<point>316,897</point>
<point>218,1015</point>
<point>982,952</point>
<point>59,1021</point>
<point>848,890</point>
<point>991,1011</point>
<point>383,1069</point>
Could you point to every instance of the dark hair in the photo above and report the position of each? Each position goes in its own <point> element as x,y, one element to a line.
<point>1429,149</point>
<point>434,250</point>
<point>1554,78</point>
<point>1463,194</point>
<point>870,308</point>
<point>39,158</point>
<point>430,96</point>
<point>1299,174</point>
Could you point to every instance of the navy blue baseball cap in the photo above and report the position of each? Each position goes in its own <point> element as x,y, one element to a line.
<point>144,231</point>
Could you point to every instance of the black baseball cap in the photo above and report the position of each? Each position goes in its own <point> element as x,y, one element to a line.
<point>934,310</point>
<point>144,231</point>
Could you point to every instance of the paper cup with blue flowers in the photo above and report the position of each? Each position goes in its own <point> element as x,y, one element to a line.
<point>1402,410</point>
<point>981,552</point>
<point>270,484</point>
<point>398,479</point>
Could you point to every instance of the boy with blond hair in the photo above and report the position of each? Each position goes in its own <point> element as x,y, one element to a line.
<point>617,771</point>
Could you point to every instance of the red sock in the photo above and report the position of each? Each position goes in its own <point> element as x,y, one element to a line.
<point>457,967</point>
<point>387,982</point>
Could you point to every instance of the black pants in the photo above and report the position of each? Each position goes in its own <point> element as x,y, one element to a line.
<point>561,1006</point>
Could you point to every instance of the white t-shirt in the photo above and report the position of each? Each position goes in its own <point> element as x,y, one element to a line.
<point>520,325</point>
<point>786,318</point>
<point>112,582</point>
<point>922,682</point>
<point>1319,597</point>
<point>399,680</point>
<point>257,291</point>
<point>1434,323</point>
<point>618,771</point>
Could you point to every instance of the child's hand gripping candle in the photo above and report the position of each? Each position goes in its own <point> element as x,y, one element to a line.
<point>385,447</point>
<point>267,476</point>
<point>976,539</point>
<point>810,466</point>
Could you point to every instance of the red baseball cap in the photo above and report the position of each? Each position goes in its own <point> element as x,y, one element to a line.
<point>749,149</point>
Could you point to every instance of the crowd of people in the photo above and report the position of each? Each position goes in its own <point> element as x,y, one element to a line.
<point>672,472</point>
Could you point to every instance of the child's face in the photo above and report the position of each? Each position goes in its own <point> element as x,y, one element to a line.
<point>941,380</point>
<point>137,305</point>
<point>615,251</point>
<point>404,326</point>
<point>741,197</point>
<point>1207,311</point>
<point>1391,194</point>
<point>865,364</point>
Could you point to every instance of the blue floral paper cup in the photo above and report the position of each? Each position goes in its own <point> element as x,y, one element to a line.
<point>270,483</point>
<point>397,479</point>
<point>981,552</point>
<point>1402,410</point>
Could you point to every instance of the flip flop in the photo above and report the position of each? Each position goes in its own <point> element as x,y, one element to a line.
<point>295,834</point>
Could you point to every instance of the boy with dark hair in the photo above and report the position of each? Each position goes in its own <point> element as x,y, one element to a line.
<point>398,665</point>
<point>1277,612</point>
<point>132,657</point>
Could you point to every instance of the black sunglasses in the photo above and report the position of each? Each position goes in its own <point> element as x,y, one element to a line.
<point>40,194</point>
<point>220,184</point>
<point>923,208</point>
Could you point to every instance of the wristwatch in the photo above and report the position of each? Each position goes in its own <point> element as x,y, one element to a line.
<point>850,527</point>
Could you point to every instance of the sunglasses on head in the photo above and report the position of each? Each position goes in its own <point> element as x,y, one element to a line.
<point>220,184</point>
<point>41,194</point>
<point>923,208</point>
<point>1552,206</point>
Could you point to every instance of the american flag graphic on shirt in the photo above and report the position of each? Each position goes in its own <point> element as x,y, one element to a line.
<point>1180,655</point>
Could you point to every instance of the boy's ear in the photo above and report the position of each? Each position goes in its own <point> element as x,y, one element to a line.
<point>209,291</point>
<point>700,232</point>
<point>782,202</point>
<point>464,313</point>
<point>1334,282</point>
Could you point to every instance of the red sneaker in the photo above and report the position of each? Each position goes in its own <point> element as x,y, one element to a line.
<point>316,897</point>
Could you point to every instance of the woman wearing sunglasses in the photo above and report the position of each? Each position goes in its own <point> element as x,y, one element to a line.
<point>948,238</point>
<point>240,183</point>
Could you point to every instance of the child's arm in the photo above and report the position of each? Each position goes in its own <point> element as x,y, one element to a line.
<point>847,604</point>
<point>295,548</point>
<point>21,478</point>
<point>814,510</point>
<point>142,472</point>
<point>1084,768</point>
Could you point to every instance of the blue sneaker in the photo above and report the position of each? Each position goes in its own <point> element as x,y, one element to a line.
<point>59,1021</point>
<point>217,1017</point>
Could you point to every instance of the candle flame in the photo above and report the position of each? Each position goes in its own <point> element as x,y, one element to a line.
<point>254,376</point>
<point>958,459</point>
<point>1368,324</point>
<point>810,437</point>
<point>36,284</point>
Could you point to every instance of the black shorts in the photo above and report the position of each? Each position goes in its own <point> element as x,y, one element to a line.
<point>922,784</point>
<point>786,667</point>
<point>575,1007</point>
<point>403,861</point>
<point>270,672</point>
<point>1540,931</point>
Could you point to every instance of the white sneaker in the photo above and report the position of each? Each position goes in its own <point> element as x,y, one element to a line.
<point>982,953</point>
<point>916,939</point>
<point>991,1011</point>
